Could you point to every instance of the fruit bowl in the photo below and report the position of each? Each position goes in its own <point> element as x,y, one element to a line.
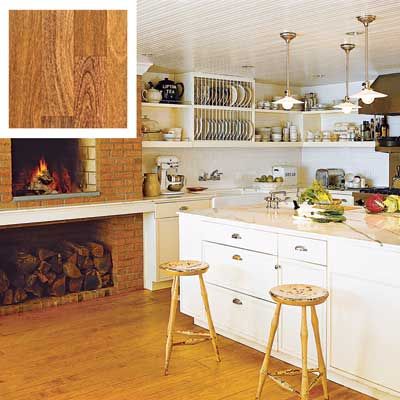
<point>266,186</point>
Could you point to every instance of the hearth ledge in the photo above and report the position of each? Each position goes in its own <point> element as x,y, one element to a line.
<point>9,218</point>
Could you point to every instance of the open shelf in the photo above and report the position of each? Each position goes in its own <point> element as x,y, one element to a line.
<point>256,145</point>
<point>165,105</point>
<point>261,111</point>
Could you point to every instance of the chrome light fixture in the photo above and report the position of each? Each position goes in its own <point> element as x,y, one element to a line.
<point>287,102</point>
<point>367,95</point>
<point>347,106</point>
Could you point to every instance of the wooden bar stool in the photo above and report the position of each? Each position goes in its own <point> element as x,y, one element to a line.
<point>187,268</point>
<point>302,296</point>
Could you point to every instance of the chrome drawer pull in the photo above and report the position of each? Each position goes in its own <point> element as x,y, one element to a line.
<point>301,248</point>
<point>236,236</point>
<point>237,301</point>
<point>183,208</point>
<point>237,257</point>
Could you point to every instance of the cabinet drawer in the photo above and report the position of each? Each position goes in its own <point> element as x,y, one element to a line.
<point>240,314</point>
<point>167,210</point>
<point>302,249</point>
<point>242,270</point>
<point>250,239</point>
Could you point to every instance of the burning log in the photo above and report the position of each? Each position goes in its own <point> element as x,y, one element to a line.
<point>4,282</point>
<point>87,263</point>
<point>96,249</point>
<point>103,264</point>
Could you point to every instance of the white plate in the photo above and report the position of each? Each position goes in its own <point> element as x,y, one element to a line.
<point>232,95</point>
<point>241,95</point>
<point>249,97</point>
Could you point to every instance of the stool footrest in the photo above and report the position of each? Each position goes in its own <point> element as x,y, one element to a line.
<point>291,372</point>
<point>190,333</point>
<point>191,341</point>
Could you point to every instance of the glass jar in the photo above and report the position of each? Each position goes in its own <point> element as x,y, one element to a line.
<point>149,125</point>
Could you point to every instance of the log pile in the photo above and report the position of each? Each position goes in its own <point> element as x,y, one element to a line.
<point>67,267</point>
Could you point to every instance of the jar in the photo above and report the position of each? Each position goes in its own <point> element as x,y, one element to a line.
<point>151,185</point>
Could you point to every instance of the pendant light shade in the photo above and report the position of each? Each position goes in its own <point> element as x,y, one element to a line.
<point>347,106</point>
<point>367,95</point>
<point>288,101</point>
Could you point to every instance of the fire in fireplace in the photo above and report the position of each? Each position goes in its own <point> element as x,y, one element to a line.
<point>53,166</point>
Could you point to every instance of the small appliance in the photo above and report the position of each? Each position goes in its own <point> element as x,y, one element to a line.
<point>170,181</point>
<point>322,176</point>
<point>287,172</point>
<point>336,178</point>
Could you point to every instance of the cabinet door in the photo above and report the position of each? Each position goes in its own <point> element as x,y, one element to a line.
<point>290,322</point>
<point>365,329</point>
<point>167,243</point>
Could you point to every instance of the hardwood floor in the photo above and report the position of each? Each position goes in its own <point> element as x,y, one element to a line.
<point>113,349</point>
<point>68,69</point>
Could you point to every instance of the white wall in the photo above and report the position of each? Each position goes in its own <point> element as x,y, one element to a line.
<point>365,162</point>
<point>239,166</point>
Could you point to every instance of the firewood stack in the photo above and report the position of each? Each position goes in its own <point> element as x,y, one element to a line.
<point>68,267</point>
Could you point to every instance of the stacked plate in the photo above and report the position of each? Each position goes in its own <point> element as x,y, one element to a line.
<point>223,129</point>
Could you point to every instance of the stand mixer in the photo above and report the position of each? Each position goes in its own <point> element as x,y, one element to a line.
<point>171,183</point>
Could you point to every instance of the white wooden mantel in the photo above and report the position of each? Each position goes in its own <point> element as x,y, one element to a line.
<point>10,218</point>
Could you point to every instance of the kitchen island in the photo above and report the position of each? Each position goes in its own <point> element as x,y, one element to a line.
<point>251,249</point>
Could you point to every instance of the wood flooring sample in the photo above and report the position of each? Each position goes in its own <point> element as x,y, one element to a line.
<point>68,69</point>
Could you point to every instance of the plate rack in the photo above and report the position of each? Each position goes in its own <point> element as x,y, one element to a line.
<point>223,124</point>
<point>224,108</point>
<point>223,92</point>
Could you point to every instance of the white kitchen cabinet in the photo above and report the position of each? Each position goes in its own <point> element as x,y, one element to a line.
<point>161,239</point>
<point>292,271</point>
<point>241,270</point>
<point>240,315</point>
<point>365,314</point>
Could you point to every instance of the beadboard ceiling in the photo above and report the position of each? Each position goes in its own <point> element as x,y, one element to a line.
<point>221,36</point>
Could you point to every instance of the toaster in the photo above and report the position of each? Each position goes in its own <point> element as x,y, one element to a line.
<point>288,173</point>
<point>322,176</point>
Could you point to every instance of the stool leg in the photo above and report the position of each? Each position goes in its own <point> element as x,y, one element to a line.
<point>209,319</point>
<point>264,367</point>
<point>304,342</point>
<point>171,322</point>
<point>321,363</point>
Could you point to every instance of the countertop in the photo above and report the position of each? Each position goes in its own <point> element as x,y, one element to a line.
<point>377,229</point>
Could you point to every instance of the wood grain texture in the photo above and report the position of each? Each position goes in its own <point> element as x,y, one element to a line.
<point>113,349</point>
<point>68,64</point>
<point>116,69</point>
<point>90,103</point>
<point>90,33</point>
<point>58,63</point>
<point>25,77</point>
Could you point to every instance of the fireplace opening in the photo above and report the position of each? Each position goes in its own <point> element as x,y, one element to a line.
<point>43,167</point>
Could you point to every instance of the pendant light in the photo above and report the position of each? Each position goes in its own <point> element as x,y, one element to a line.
<point>287,101</point>
<point>367,95</point>
<point>347,106</point>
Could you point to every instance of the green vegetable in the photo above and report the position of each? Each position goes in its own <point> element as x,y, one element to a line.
<point>392,203</point>
<point>315,194</point>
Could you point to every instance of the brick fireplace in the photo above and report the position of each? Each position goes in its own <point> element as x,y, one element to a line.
<point>105,171</point>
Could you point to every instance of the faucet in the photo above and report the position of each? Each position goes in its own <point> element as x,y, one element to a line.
<point>214,176</point>
<point>273,199</point>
